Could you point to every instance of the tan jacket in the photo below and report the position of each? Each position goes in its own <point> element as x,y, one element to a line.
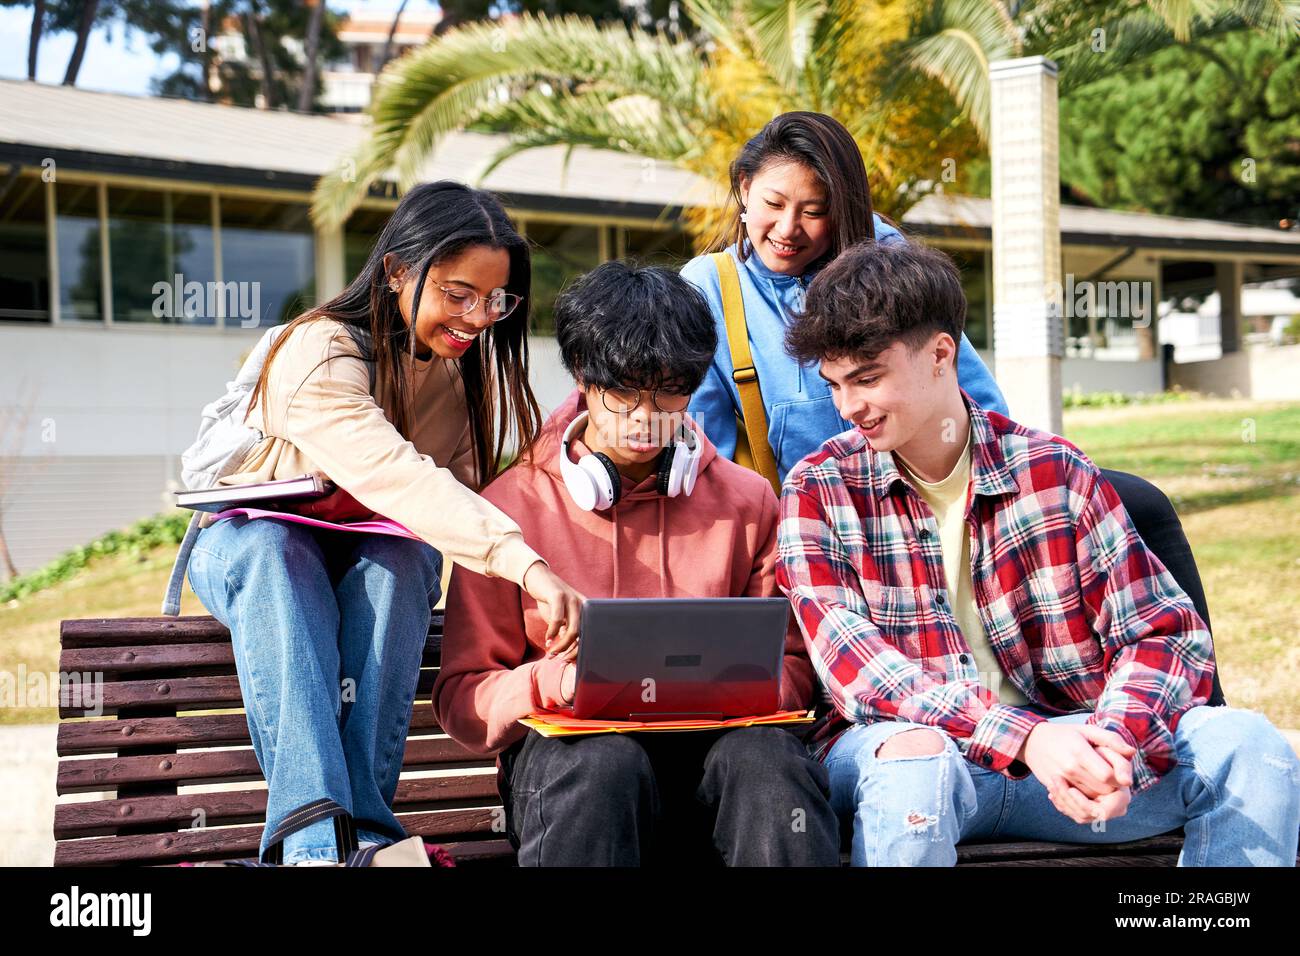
<point>320,418</point>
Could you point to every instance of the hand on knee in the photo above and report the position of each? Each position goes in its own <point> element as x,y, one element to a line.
<point>911,743</point>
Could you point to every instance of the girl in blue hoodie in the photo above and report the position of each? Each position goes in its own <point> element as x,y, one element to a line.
<point>802,195</point>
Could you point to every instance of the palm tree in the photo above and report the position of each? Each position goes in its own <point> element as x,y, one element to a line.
<point>908,78</point>
<point>571,82</point>
<point>953,41</point>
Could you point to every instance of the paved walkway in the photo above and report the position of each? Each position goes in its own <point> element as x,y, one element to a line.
<point>27,767</point>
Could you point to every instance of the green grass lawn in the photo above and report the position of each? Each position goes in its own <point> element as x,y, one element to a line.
<point>1232,469</point>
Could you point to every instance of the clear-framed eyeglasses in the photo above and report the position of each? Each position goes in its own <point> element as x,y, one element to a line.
<point>622,400</point>
<point>464,301</point>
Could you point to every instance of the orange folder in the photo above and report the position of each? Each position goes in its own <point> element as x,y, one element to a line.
<point>557,725</point>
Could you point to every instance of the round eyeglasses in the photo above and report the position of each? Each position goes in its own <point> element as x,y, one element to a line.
<point>464,301</point>
<point>622,400</point>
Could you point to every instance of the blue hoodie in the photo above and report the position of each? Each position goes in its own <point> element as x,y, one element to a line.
<point>800,412</point>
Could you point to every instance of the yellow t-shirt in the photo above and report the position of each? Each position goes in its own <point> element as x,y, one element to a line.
<point>947,499</point>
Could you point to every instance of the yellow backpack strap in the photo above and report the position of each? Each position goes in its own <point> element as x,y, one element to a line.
<point>745,375</point>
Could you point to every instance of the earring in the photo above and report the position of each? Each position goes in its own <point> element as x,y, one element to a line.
<point>940,372</point>
<point>744,216</point>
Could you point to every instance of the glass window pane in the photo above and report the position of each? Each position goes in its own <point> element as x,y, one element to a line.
<point>161,257</point>
<point>659,247</point>
<point>359,235</point>
<point>24,252</point>
<point>561,252</point>
<point>975,283</point>
<point>268,248</point>
<point>80,293</point>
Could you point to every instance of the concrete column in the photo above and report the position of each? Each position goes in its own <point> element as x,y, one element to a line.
<point>330,268</point>
<point>1028,338</point>
<point>1228,278</point>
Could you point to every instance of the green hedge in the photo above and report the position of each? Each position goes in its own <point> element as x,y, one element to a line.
<point>140,538</point>
<point>1075,398</point>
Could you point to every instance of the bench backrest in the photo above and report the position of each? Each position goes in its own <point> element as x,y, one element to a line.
<point>170,770</point>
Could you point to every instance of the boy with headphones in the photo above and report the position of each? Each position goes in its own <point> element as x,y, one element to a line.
<point>625,496</point>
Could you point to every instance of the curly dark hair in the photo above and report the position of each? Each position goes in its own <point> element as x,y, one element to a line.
<point>872,296</point>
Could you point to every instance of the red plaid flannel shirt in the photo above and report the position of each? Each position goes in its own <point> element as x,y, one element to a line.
<point>1080,615</point>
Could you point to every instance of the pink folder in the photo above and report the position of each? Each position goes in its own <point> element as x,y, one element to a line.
<point>375,526</point>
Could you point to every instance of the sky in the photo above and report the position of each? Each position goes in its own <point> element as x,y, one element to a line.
<point>114,62</point>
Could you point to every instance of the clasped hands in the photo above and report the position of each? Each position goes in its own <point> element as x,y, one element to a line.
<point>1087,770</point>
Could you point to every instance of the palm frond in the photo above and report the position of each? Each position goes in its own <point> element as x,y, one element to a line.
<point>953,42</point>
<point>786,35</point>
<point>451,82</point>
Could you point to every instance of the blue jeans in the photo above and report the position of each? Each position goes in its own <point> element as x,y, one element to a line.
<point>1235,792</point>
<point>328,629</point>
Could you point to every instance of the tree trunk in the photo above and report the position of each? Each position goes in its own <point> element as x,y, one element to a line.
<point>307,95</point>
<point>209,79</point>
<point>252,24</point>
<point>38,24</point>
<point>7,568</point>
<point>88,9</point>
<point>388,44</point>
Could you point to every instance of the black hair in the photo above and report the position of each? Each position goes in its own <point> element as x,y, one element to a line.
<point>872,296</point>
<point>626,324</point>
<point>435,222</point>
<point>824,145</point>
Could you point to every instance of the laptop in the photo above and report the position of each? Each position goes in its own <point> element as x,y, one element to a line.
<point>279,495</point>
<point>680,658</point>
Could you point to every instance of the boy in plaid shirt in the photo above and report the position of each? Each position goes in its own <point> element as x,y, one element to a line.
<point>1003,655</point>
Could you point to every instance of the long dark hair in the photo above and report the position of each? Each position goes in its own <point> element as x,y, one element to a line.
<point>821,143</point>
<point>435,222</point>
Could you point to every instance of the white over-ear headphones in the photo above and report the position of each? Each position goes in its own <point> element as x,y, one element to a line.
<point>593,480</point>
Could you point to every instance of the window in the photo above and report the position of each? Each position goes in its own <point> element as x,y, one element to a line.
<point>659,247</point>
<point>975,280</point>
<point>560,253</point>
<point>161,254</point>
<point>80,289</point>
<point>24,251</point>
<point>269,249</point>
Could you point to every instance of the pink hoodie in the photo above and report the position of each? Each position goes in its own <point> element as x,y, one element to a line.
<point>718,542</point>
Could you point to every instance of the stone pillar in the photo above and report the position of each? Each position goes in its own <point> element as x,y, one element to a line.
<point>1028,338</point>
<point>330,268</point>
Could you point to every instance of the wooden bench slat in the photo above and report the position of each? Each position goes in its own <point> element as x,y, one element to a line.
<point>1087,861</point>
<point>207,730</point>
<point>181,659</point>
<point>236,842</point>
<point>227,807</point>
<point>127,631</point>
<point>209,692</point>
<point>1025,850</point>
<point>223,766</point>
<point>111,661</point>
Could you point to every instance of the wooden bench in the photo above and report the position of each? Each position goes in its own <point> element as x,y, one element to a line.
<point>165,774</point>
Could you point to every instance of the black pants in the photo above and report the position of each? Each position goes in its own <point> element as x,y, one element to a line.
<point>1158,525</point>
<point>745,797</point>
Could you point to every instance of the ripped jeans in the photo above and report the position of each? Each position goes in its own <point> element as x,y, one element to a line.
<point>1235,792</point>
